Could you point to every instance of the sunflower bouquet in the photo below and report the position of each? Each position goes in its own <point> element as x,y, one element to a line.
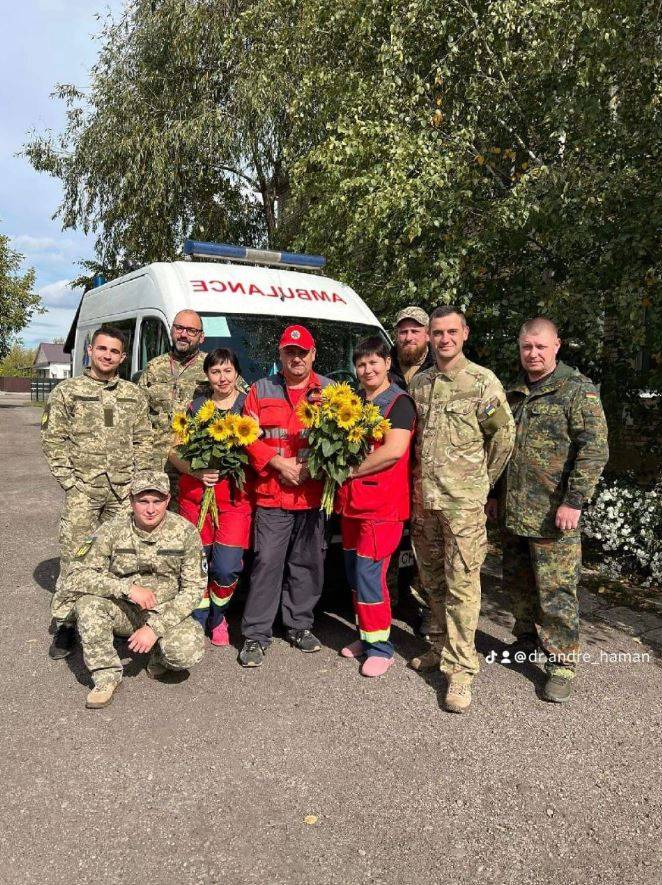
<point>341,431</point>
<point>214,440</point>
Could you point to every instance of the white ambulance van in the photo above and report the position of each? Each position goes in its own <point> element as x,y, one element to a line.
<point>244,305</point>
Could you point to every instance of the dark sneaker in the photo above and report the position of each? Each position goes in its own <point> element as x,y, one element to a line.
<point>252,654</point>
<point>558,689</point>
<point>428,660</point>
<point>304,640</point>
<point>63,642</point>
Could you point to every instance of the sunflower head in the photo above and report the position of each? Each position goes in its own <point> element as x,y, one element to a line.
<point>381,429</point>
<point>183,438</point>
<point>219,429</point>
<point>245,430</point>
<point>371,414</point>
<point>336,393</point>
<point>307,413</point>
<point>180,422</point>
<point>356,434</point>
<point>347,415</point>
<point>231,422</point>
<point>205,412</point>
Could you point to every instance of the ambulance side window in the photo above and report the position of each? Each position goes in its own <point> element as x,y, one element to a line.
<point>154,340</point>
<point>129,329</point>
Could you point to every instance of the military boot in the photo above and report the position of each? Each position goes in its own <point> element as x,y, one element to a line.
<point>63,642</point>
<point>429,660</point>
<point>101,696</point>
<point>458,696</point>
<point>558,689</point>
<point>155,670</point>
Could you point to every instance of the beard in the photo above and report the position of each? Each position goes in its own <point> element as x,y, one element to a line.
<point>183,349</point>
<point>412,354</point>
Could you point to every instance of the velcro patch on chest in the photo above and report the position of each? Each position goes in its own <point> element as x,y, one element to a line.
<point>108,416</point>
<point>170,551</point>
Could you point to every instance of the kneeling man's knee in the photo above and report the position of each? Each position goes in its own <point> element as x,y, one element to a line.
<point>183,646</point>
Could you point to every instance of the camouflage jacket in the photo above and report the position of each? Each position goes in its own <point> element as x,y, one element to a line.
<point>170,386</point>
<point>560,451</point>
<point>168,560</point>
<point>464,436</point>
<point>90,428</point>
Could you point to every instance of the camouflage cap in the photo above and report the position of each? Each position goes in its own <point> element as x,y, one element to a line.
<point>150,480</point>
<point>417,314</point>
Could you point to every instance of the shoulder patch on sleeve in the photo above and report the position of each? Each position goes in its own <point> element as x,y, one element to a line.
<point>84,548</point>
<point>45,416</point>
<point>493,417</point>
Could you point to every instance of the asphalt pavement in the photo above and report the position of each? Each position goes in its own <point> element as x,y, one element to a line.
<point>302,771</point>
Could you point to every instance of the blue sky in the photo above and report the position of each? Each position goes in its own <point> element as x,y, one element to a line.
<point>51,42</point>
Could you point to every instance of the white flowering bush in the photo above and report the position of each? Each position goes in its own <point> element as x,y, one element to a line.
<point>624,525</point>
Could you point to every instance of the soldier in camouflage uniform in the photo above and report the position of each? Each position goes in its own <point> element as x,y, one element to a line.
<point>140,576</point>
<point>95,433</point>
<point>170,382</point>
<point>464,437</point>
<point>560,451</point>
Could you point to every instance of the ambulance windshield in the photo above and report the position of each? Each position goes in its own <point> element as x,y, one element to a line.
<point>255,341</point>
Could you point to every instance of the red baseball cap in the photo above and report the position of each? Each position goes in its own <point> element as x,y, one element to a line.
<point>297,336</point>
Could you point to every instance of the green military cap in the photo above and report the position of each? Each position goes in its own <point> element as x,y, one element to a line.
<point>150,481</point>
<point>417,314</point>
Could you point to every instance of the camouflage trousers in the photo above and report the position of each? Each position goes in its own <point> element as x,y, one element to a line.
<point>86,506</point>
<point>450,552</point>
<point>541,576</point>
<point>100,618</point>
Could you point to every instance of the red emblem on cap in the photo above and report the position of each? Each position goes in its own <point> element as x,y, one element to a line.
<point>297,336</point>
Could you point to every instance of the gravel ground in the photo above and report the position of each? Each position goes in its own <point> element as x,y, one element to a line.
<point>303,772</point>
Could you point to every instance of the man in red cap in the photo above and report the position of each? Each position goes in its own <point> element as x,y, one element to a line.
<point>289,525</point>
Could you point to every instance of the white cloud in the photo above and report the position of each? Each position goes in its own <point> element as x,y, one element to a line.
<point>26,243</point>
<point>53,324</point>
<point>60,294</point>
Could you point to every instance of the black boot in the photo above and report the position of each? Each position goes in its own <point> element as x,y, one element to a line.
<point>63,642</point>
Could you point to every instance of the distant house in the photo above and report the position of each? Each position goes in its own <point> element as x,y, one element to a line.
<point>52,362</point>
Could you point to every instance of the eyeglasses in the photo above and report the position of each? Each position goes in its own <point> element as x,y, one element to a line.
<point>188,329</point>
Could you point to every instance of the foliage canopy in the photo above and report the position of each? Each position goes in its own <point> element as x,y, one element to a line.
<point>502,155</point>
<point>18,301</point>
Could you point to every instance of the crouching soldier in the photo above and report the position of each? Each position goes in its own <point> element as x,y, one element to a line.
<point>140,576</point>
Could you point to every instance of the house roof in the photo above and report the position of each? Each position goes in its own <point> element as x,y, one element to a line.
<point>51,353</point>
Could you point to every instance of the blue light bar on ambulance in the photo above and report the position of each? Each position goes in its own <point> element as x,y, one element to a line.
<point>197,249</point>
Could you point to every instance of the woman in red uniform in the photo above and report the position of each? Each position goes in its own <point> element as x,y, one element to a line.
<point>225,543</point>
<point>374,503</point>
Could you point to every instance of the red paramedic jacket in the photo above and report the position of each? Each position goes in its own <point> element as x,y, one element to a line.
<point>283,434</point>
<point>383,496</point>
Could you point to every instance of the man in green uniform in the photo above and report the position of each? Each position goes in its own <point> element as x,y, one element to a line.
<point>140,576</point>
<point>560,452</point>
<point>95,433</point>
<point>464,437</point>
<point>170,382</point>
